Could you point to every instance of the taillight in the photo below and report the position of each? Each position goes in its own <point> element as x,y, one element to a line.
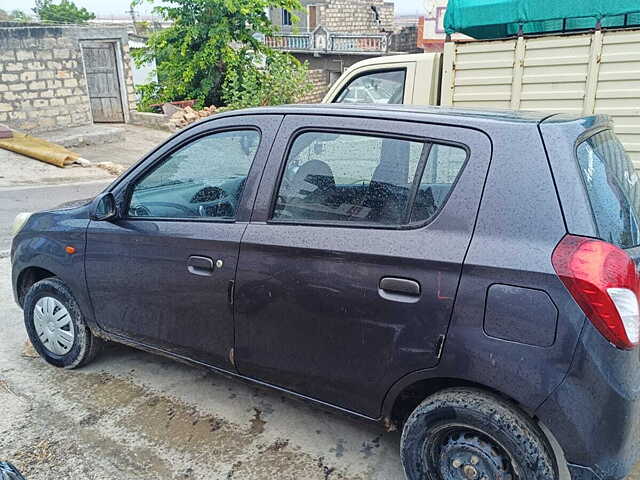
<point>604,281</point>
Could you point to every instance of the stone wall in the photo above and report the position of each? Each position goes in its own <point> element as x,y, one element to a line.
<point>356,16</point>
<point>320,80</point>
<point>42,81</point>
<point>342,16</point>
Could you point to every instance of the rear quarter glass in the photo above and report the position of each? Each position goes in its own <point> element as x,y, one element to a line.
<point>612,187</point>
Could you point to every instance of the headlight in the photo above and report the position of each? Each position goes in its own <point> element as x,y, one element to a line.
<point>19,222</point>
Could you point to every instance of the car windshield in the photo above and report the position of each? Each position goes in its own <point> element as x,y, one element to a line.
<point>612,187</point>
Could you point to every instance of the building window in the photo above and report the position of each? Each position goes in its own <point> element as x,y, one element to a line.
<point>286,17</point>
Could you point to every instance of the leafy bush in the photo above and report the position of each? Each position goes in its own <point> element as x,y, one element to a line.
<point>283,79</point>
<point>149,94</point>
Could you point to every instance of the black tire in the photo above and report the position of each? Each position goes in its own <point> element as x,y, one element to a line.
<point>85,345</point>
<point>456,427</point>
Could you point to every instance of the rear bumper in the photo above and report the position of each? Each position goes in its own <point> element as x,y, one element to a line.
<point>595,413</point>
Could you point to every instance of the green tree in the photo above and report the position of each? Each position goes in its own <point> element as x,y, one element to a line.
<point>64,12</point>
<point>210,40</point>
<point>14,16</point>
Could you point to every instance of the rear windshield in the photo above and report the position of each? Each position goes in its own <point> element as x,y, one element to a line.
<point>612,187</point>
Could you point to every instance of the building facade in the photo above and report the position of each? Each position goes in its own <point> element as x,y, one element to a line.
<point>332,35</point>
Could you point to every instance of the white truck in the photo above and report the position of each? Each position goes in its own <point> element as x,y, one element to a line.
<point>583,73</point>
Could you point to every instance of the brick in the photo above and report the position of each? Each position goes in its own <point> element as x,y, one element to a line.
<point>44,55</point>
<point>10,96</point>
<point>24,105</point>
<point>3,117</point>
<point>16,87</point>
<point>24,55</point>
<point>60,53</point>
<point>40,103</point>
<point>54,65</point>
<point>45,75</point>
<point>40,85</point>
<point>70,83</point>
<point>26,95</point>
<point>10,77</point>
<point>64,92</point>
<point>47,93</point>
<point>6,107</point>
<point>18,115</point>
<point>35,66</point>
<point>3,87</point>
<point>56,102</point>
<point>54,84</point>
<point>14,67</point>
<point>7,55</point>
<point>27,76</point>
<point>64,74</point>
<point>74,100</point>
<point>70,64</point>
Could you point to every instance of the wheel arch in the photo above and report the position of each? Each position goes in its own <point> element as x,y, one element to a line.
<point>411,390</point>
<point>27,278</point>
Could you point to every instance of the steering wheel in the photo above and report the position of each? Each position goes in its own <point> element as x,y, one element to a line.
<point>144,210</point>
<point>203,210</point>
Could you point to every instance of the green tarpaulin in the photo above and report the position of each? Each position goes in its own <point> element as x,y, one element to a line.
<point>485,19</point>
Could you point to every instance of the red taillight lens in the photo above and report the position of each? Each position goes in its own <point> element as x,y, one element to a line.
<point>603,280</point>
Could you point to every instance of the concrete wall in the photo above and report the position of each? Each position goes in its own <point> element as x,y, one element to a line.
<point>42,81</point>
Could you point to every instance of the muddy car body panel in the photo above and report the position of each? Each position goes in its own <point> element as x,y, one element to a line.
<point>366,316</point>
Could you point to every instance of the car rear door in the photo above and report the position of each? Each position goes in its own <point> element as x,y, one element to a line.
<point>346,284</point>
<point>162,273</point>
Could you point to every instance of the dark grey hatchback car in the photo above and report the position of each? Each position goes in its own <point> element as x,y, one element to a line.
<point>466,276</point>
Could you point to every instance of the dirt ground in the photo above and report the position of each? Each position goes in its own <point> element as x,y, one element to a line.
<point>132,415</point>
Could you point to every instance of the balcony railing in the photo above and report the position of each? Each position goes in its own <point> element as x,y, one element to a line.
<point>321,41</point>
<point>357,43</point>
<point>290,41</point>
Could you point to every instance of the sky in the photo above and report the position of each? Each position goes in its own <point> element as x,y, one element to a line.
<point>119,7</point>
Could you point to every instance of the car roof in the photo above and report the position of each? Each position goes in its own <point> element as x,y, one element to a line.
<point>417,112</point>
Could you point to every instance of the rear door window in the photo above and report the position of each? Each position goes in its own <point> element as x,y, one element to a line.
<point>363,179</point>
<point>612,188</point>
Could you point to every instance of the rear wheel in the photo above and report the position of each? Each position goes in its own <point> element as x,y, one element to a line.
<point>468,434</point>
<point>56,326</point>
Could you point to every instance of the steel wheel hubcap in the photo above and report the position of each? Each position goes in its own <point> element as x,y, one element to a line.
<point>53,325</point>
<point>469,455</point>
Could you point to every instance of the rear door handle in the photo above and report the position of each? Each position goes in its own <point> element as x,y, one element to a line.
<point>202,266</point>
<point>399,289</point>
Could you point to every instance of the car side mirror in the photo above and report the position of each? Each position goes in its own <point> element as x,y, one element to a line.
<point>104,207</point>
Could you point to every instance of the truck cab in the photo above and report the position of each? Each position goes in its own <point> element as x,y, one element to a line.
<point>400,79</point>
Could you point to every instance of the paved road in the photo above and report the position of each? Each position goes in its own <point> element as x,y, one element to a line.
<point>31,199</point>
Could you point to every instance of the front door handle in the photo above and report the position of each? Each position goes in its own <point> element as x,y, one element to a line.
<point>202,266</point>
<point>399,289</point>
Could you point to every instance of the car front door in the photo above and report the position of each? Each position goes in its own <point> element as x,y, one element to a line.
<point>349,268</point>
<point>162,273</point>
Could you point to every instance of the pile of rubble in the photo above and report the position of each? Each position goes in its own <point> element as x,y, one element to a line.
<point>181,117</point>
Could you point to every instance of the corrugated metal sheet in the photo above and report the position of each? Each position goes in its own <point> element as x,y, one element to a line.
<point>618,90</point>
<point>597,72</point>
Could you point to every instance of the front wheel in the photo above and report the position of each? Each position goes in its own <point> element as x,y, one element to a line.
<point>468,434</point>
<point>56,326</point>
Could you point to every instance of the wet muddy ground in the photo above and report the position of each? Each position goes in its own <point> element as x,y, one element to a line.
<point>132,415</point>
